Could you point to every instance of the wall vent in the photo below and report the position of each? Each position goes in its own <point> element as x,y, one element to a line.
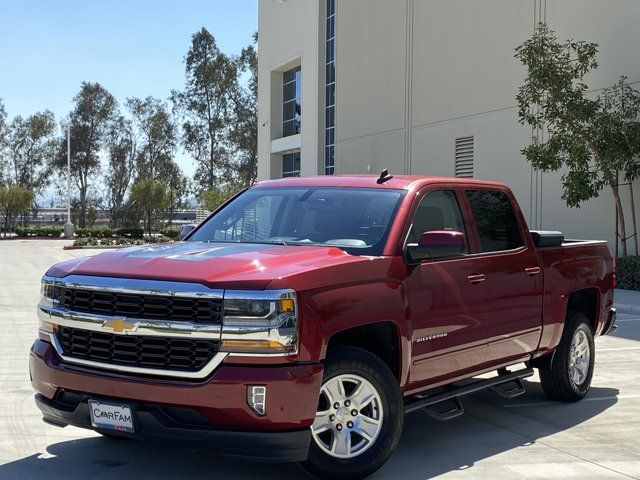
<point>464,157</point>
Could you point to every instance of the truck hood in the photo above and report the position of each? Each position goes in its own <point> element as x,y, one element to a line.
<point>216,265</point>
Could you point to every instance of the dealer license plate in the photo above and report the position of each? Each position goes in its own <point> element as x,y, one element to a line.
<point>112,416</point>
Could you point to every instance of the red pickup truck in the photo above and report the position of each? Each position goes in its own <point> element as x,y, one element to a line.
<point>306,316</point>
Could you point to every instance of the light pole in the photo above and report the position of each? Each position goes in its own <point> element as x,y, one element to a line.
<point>68,227</point>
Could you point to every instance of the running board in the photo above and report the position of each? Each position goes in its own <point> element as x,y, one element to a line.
<point>494,383</point>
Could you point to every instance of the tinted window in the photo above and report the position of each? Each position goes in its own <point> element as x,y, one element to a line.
<point>355,219</point>
<point>438,210</point>
<point>496,221</point>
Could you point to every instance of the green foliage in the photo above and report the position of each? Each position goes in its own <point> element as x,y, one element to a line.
<point>212,199</point>
<point>593,139</point>
<point>30,145</point>
<point>121,156</point>
<point>244,131</point>
<point>150,196</point>
<point>93,112</point>
<point>628,272</point>
<point>206,110</point>
<point>157,136</point>
<point>107,232</point>
<point>14,201</point>
<point>170,232</point>
<point>93,241</point>
<point>41,232</point>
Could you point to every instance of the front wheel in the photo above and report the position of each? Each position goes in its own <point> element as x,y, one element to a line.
<point>359,419</point>
<point>568,377</point>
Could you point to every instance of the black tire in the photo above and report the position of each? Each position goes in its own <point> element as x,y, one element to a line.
<point>356,361</point>
<point>556,379</point>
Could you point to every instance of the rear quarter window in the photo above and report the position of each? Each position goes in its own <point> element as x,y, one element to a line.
<point>495,220</point>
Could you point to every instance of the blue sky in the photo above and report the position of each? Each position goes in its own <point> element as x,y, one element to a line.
<point>133,48</point>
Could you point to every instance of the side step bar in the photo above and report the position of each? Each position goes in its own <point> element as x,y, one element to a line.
<point>499,384</point>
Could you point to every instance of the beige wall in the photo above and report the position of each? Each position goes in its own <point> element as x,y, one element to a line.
<point>289,33</point>
<point>412,75</point>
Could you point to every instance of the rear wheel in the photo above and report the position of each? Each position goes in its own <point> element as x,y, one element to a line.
<point>359,418</point>
<point>568,377</point>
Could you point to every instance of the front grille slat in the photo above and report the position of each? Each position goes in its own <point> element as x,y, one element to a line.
<point>199,310</point>
<point>138,351</point>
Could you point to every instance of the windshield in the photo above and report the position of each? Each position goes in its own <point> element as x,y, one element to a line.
<point>354,219</point>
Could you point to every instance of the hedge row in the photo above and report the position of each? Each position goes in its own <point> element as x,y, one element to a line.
<point>124,241</point>
<point>39,231</point>
<point>106,232</point>
<point>170,232</point>
<point>628,272</point>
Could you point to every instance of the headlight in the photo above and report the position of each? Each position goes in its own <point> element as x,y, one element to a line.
<point>50,294</point>
<point>264,322</point>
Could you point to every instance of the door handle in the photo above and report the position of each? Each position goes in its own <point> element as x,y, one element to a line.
<point>531,271</point>
<point>476,278</point>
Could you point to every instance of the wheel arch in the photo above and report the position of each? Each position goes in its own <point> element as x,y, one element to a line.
<point>382,339</point>
<point>586,301</point>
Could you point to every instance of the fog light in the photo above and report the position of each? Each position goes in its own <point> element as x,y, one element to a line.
<point>256,398</point>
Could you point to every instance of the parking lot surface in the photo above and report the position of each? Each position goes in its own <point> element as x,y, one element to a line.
<point>524,438</point>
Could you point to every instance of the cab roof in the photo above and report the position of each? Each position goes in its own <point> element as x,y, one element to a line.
<point>406,182</point>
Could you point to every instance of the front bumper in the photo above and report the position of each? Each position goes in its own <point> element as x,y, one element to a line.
<point>166,409</point>
<point>153,423</point>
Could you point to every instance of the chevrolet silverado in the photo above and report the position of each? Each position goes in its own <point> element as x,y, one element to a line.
<point>306,316</point>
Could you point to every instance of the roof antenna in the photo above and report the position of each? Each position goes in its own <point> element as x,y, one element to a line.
<point>384,176</point>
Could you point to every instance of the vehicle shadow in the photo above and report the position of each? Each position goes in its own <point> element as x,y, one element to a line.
<point>428,448</point>
<point>491,425</point>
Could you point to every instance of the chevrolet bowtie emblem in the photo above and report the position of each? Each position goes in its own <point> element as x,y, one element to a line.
<point>120,325</point>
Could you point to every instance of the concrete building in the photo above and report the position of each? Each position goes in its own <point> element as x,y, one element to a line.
<point>426,87</point>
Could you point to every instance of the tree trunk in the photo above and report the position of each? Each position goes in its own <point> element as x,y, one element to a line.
<point>633,217</point>
<point>82,214</point>
<point>621,222</point>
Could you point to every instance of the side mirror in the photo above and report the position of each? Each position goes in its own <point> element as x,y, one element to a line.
<point>436,244</point>
<point>185,230</point>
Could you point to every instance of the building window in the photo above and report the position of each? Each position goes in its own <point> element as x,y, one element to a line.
<point>291,165</point>
<point>464,157</point>
<point>291,109</point>
<point>330,90</point>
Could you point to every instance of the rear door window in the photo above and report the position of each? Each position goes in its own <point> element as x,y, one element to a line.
<point>495,220</point>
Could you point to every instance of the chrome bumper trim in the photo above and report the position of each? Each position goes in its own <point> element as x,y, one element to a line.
<point>141,327</point>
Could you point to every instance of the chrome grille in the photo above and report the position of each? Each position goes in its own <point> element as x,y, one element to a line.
<point>137,351</point>
<point>195,309</point>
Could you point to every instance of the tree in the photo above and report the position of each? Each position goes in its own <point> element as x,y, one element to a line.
<point>121,156</point>
<point>93,113</point>
<point>157,138</point>
<point>3,133</point>
<point>205,108</point>
<point>14,201</point>
<point>244,134</point>
<point>149,196</point>
<point>30,147</point>
<point>588,137</point>
<point>212,199</point>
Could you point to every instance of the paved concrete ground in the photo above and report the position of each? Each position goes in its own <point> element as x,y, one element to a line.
<point>526,438</point>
